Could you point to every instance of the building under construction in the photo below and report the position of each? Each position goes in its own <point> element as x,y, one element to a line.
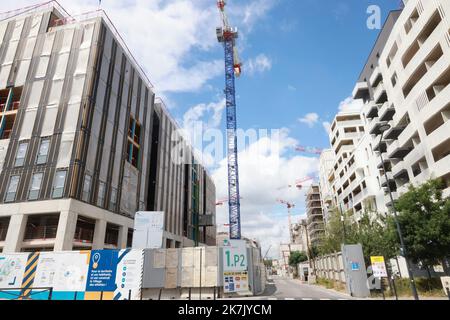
<point>83,144</point>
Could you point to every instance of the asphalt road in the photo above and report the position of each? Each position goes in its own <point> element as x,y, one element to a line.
<point>278,288</point>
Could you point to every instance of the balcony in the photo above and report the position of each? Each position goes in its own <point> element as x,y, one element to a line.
<point>400,152</point>
<point>361,91</point>
<point>380,146</point>
<point>402,176</point>
<point>390,178</point>
<point>380,95</point>
<point>387,112</point>
<point>376,77</point>
<point>395,132</point>
<point>375,128</point>
<point>373,111</point>
<point>387,198</point>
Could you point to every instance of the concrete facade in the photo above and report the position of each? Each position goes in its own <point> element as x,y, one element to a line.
<point>83,144</point>
<point>314,213</point>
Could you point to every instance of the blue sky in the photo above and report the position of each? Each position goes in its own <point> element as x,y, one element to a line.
<point>317,49</point>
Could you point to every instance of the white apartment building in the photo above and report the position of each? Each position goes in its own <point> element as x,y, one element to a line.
<point>326,163</point>
<point>409,89</point>
<point>416,69</point>
<point>314,213</point>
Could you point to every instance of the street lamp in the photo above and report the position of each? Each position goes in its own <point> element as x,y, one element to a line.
<point>383,128</point>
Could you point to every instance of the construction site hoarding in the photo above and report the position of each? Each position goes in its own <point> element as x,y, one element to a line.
<point>72,275</point>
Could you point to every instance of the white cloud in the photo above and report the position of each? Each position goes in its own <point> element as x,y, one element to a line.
<point>259,64</point>
<point>351,105</point>
<point>327,126</point>
<point>210,114</point>
<point>167,36</point>
<point>261,174</point>
<point>292,88</point>
<point>310,119</point>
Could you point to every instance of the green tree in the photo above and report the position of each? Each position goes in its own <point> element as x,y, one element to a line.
<point>334,233</point>
<point>297,257</point>
<point>371,232</point>
<point>424,219</point>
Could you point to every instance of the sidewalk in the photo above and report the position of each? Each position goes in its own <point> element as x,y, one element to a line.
<point>377,298</point>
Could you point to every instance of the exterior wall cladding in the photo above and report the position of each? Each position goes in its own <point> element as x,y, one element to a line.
<point>83,145</point>
<point>405,83</point>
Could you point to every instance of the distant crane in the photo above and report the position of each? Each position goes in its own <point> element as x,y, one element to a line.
<point>289,206</point>
<point>310,150</point>
<point>298,184</point>
<point>228,35</point>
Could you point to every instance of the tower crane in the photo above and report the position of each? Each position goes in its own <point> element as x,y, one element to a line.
<point>310,150</point>
<point>289,206</point>
<point>298,184</point>
<point>221,202</point>
<point>233,67</point>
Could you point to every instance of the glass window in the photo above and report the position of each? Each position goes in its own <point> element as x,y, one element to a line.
<point>86,188</point>
<point>113,199</point>
<point>58,184</point>
<point>101,194</point>
<point>35,187</point>
<point>43,151</point>
<point>12,188</point>
<point>21,153</point>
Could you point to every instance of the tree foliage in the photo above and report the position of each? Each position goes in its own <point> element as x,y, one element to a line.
<point>297,257</point>
<point>424,219</point>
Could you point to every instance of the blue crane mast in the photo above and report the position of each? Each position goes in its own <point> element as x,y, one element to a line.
<point>228,36</point>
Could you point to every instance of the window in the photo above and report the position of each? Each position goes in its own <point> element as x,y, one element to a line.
<point>12,189</point>
<point>58,184</point>
<point>43,151</point>
<point>133,145</point>
<point>101,194</point>
<point>35,187</point>
<point>86,188</point>
<point>21,153</point>
<point>113,199</point>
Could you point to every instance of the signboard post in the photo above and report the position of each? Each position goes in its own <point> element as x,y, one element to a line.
<point>235,266</point>
<point>148,230</point>
<point>378,267</point>
<point>379,270</point>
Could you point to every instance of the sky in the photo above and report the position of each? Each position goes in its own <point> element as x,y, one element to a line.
<point>301,60</point>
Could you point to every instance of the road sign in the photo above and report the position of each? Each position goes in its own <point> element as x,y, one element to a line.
<point>355,266</point>
<point>235,266</point>
<point>235,256</point>
<point>378,267</point>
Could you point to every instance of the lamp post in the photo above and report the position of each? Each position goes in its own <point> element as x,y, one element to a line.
<point>383,128</point>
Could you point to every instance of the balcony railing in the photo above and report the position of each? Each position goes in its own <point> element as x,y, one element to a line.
<point>40,233</point>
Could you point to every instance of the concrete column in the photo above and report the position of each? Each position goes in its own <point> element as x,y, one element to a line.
<point>123,237</point>
<point>99,235</point>
<point>16,231</point>
<point>66,230</point>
